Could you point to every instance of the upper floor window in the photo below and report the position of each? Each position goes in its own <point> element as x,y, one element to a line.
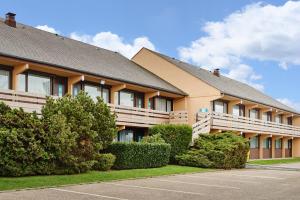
<point>42,83</point>
<point>267,116</point>
<point>220,106</point>
<point>5,79</point>
<point>278,119</point>
<point>238,110</point>
<point>254,114</point>
<point>290,120</point>
<point>95,91</point>
<point>161,103</point>
<point>130,98</point>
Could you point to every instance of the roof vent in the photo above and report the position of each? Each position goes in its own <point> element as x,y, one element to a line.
<point>216,72</point>
<point>10,19</point>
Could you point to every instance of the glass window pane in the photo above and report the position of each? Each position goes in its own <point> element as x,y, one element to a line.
<point>236,110</point>
<point>76,89</point>
<point>125,136</point>
<point>105,95</point>
<point>61,89</point>
<point>126,98</point>
<point>39,84</point>
<point>139,102</point>
<point>254,142</point>
<point>254,114</point>
<point>219,106</point>
<point>278,144</point>
<point>169,105</point>
<point>160,104</point>
<point>22,82</point>
<point>93,91</point>
<point>4,79</point>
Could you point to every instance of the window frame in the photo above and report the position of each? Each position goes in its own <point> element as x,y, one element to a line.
<point>224,103</point>
<point>258,113</point>
<point>152,100</point>
<point>9,69</point>
<point>83,83</point>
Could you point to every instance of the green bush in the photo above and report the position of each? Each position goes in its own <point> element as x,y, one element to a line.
<point>22,144</point>
<point>224,150</point>
<point>153,139</point>
<point>139,155</point>
<point>178,136</point>
<point>104,162</point>
<point>64,140</point>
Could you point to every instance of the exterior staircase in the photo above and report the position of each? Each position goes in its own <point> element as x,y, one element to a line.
<point>203,124</point>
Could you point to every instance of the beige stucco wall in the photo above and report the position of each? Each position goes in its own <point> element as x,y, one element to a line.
<point>199,93</point>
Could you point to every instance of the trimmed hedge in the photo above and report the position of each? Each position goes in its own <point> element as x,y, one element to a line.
<point>178,136</point>
<point>104,162</point>
<point>224,150</point>
<point>139,155</point>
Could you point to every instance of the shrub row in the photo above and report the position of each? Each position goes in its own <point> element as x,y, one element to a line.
<point>178,136</point>
<point>139,155</point>
<point>224,150</point>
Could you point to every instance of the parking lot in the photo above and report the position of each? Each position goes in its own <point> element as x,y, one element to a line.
<point>225,185</point>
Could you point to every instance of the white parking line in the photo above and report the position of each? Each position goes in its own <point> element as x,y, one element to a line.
<point>211,178</point>
<point>251,176</point>
<point>200,184</point>
<point>88,194</point>
<point>155,188</point>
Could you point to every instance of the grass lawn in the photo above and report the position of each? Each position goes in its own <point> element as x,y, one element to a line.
<point>93,176</point>
<point>274,161</point>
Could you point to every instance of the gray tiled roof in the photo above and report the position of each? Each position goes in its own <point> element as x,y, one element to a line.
<point>36,45</point>
<point>228,86</point>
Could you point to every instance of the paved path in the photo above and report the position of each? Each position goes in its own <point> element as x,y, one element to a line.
<point>248,184</point>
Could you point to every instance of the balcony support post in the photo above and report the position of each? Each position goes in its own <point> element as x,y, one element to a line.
<point>114,89</point>
<point>148,96</point>
<point>15,73</point>
<point>73,80</point>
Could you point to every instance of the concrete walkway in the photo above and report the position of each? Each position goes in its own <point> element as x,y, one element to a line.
<point>287,167</point>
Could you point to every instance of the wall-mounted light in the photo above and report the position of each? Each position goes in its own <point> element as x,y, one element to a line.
<point>102,82</point>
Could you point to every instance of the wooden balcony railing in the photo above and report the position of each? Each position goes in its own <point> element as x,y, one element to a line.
<point>128,116</point>
<point>221,121</point>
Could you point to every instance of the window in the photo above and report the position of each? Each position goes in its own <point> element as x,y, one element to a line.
<point>130,98</point>
<point>126,98</point>
<point>254,114</point>
<point>254,142</point>
<point>267,116</point>
<point>76,89</point>
<point>105,95</point>
<point>278,119</point>
<point>169,106</point>
<point>160,104</point>
<point>39,84</point>
<point>125,136</point>
<point>278,143</point>
<point>267,143</point>
<point>220,106</point>
<point>288,144</point>
<point>290,120</point>
<point>5,76</point>
<point>21,83</point>
<point>238,110</point>
<point>93,91</point>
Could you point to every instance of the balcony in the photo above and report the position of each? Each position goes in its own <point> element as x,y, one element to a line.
<point>220,121</point>
<point>127,116</point>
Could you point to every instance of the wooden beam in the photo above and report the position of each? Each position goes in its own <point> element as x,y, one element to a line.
<point>16,71</point>
<point>114,89</point>
<point>148,96</point>
<point>235,102</point>
<point>73,80</point>
<point>266,110</point>
<point>122,127</point>
<point>253,106</point>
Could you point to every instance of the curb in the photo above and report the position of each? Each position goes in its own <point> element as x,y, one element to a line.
<point>270,167</point>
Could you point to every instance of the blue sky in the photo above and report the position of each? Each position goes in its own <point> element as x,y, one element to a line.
<point>257,43</point>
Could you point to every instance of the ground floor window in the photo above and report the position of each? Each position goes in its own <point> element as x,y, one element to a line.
<point>131,135</point>
<point>267,143</point>
<point>278,144</point>
<point>254,142</point>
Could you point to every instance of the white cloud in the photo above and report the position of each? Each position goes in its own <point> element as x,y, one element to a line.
<point>114,42</point>
<point>290,103</point>
<point>261,32</point>
<point>47,28</point>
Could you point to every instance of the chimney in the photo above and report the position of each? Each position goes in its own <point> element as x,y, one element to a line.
<point>10,19</point>
<point>216,72</point>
